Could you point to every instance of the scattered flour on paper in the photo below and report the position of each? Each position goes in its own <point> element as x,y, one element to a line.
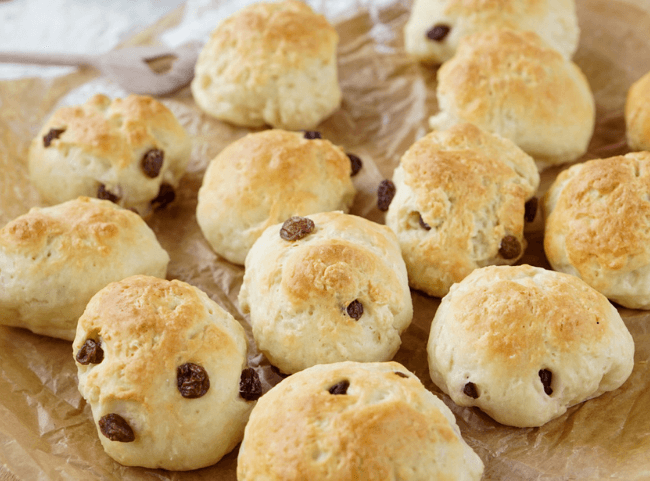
<point>70,26</point>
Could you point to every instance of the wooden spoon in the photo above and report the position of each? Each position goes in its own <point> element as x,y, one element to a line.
<point>127,66</point>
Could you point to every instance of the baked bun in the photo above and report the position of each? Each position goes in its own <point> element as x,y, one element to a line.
<point>265,178</point>
<point>513,84</point>
<point>460,202</point>
<point>524,344</point>
<point>354,421</point>
<point>327,288</point>
<point>637,114</point>
<point>270,63</point>
<point>131,151</point>
<point>54,259</point>
<point>161,366</point>
<point>435,27</point>
<point>598,226</point>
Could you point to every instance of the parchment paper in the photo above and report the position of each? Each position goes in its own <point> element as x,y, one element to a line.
<point>46,429</point>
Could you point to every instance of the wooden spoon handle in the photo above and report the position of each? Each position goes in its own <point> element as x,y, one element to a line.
<point>46,58</point>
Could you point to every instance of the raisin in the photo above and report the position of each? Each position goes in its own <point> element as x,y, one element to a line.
<point>90,353</point>
<point>51,135</point>
<point>295,228</point>
<point>355,310</point>
<point>470,390</point>
<point>438,32</point>
<point>152,162</point>
<point>340,388</point>
<point>530,209</point>
<point>510,248</point>
<point>115,428</point>
<point>250,387</point>
<point>166,196</point>
<point>192,380</point>
<point>400,374</point>
<point>104,194</point>
<point>385,194</point>
<point>356,164</point>
<point>546,376</point>
<point>423,224</point>
<point>312,134</point>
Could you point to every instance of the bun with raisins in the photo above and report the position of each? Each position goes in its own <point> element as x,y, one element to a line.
<point>130,151</point>
<point>435,27</point>
<point>265,178</point>
<point>460,204</point>
<point>523,344</point>
<point>354,421</point>
<point>163,368</point>
<point>326,288</point>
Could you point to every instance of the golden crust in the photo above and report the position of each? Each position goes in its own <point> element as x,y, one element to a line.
<point>502,326</point>
<point>598,226</point>
<point>270,38</point>
<point>637,114</point>
<point>470,188</point>
<point>513,84</point>
<point>112,130</point>
<point>148,327</point>
<point>103,142</point>
<point>55,259</point>
<point>265,178</point>
<point>297,293</point>
<point>385,427</point>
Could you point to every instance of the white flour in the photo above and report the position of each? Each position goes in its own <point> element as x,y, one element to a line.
<point>70,26</point>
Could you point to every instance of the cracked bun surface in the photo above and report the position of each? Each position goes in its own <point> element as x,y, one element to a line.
<point>637,114</point>
<point>435,27</point>
<point>523,344</point>
<point>132,151</point>
<point>265,178</point>
<point>54,259</point>
<point>330,287</point>
<point>513,84</point>
<point>460,203</point>
<point>160,364</point>
<point>598,226</point>
<point>354,421</point>
<point>270,63</point>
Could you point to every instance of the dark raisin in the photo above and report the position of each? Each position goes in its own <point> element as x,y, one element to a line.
<point>530,209</point>
<point>250,387</point>
<point>152,162</point>
<point>115,428</point>
<point>192,380</point>
<point>51,135</point>
<point>423,224</point>
<point>295,228</point>
<point>355,310</point>
<point>356,164</point>
<point>104,194</point>
<point>438,32</point>
<point>470,390</point>
<point>510,248</point>
<point>90,353</point>
<point>340,388</point>
<point>385,194</point>
<point>400,374</point>
<point>312,134</point>
<point>546,376</point>
<point>166,196</point>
